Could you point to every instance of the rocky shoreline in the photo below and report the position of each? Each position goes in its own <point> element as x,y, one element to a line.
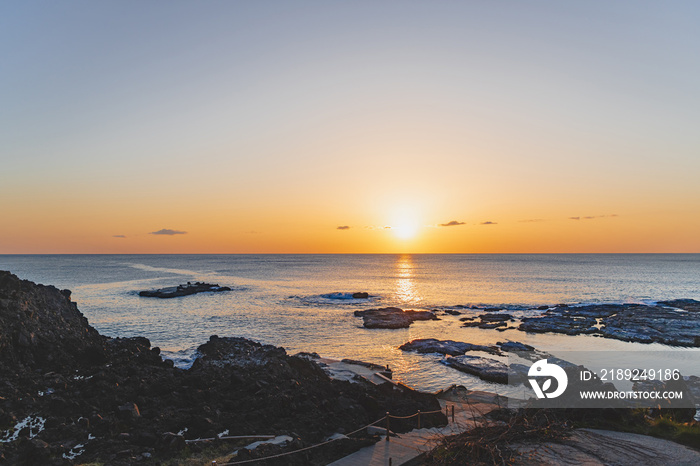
<point>69,394</point>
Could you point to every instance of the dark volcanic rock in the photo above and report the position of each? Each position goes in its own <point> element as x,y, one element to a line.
<point>657,324</point>
<point>487,321</point>
<point>495,317</point>
<point>627,322</point>
<point>183,290</point>
<point>392,317</point>
<point>570,325</point>
<point>570,320</point>
<point>360,295</point>
<point>512,346</point>
<point>451,347</point>
<point>40,328</point>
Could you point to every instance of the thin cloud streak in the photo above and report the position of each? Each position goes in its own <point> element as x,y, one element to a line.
<point>592,217</point>
<point>453,223</point>
<point>168,232</point>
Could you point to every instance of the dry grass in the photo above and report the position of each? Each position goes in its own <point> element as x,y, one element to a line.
<point>489,443</point>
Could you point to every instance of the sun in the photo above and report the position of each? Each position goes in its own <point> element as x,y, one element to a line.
<point>405,229</point>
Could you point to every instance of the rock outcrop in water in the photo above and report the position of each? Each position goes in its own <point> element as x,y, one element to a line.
<point>392,317</point>
<point>488,321</point>
<point>447,347</point>
<point>68,394</point>
<point>183,290</point>
<point>628,322</point>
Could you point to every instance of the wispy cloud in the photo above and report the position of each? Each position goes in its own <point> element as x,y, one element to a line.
<point>118,236</point>
<point>453,223</point>
<point>532,220</point>
<point>591,217</point>
<point>488,223</point>
<point>168,232</point>
<point>343,227</point>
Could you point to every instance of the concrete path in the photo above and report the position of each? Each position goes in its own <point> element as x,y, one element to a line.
<point>404,449</point>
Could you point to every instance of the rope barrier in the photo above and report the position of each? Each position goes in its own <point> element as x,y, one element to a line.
<point>415,414</point>
<point>327,441</point>
<point>302,449</point>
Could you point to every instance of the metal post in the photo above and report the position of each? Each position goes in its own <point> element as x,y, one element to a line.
<point>389,461</point>
<point>453,413</point>
<point>387,426</point>
<point>419,418</point>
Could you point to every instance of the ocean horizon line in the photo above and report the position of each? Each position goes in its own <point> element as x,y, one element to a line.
<point>353,254</point>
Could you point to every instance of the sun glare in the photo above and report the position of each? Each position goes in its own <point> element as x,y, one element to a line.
<point>405,230</point>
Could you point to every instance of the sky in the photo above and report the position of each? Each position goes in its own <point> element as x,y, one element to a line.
<point>349,127</point>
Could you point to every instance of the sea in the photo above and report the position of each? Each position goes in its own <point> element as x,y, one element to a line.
<point>304,302</point>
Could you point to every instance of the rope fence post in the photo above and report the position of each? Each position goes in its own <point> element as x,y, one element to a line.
<point>387,426</point>
<point>419,418</point>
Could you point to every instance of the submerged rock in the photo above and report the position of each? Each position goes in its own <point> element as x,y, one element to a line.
<point>392,317</point>
<point>447,347</point>
<point>183,290</point>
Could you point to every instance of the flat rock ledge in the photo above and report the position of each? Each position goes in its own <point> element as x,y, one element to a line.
<point>675,323</point>
<point>392,317</point>
<point>446,347</point>
<point>487,369</point>
<point>183,290</point>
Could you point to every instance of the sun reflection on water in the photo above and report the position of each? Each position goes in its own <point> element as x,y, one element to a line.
<point>406,291</point>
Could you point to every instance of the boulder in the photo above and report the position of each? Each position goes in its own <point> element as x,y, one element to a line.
<point>392,317</point>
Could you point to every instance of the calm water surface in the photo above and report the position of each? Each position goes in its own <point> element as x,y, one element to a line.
<point>279,299</point>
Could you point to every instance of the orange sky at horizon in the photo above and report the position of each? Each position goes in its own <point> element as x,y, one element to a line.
<point>262,128</point>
